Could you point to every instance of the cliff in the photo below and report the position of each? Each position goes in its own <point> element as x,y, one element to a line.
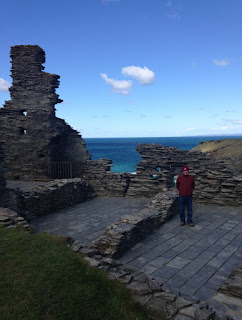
<point>229,150</point>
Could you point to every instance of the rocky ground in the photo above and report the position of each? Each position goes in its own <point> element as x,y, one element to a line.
<point>229,150</point>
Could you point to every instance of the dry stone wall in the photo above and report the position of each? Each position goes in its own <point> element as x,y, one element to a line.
<point>49,197</point>
<point>130,229</point>
<point>104,181</point>
<point>29,128</point>
<point>215,183</point>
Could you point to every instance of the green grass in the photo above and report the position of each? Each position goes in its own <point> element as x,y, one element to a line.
<point>42,279</point>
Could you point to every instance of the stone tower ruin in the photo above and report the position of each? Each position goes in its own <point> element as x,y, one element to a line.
<point>29,130</point>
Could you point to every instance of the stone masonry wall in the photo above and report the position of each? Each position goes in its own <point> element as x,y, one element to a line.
<point>49,197</point>
<point>215,183</point>
<point>2,170</point>
<point>2,179</point>
<point>130,229</point>
<point>104,181</point>
<point>28,126</point>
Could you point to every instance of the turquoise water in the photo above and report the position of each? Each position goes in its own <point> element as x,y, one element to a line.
<point>122,151</point>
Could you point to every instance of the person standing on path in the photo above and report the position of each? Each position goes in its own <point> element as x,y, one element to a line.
<point>185,184</point>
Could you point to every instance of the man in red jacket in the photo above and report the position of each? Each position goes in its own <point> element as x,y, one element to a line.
<point>185,184</point>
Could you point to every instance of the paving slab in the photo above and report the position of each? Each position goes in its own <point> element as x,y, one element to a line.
<point>205,255</point>
<point>87,221</point>
<point>189,260</point>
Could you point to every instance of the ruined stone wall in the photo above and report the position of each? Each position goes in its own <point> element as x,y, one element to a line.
<point>49,197</point>
<point>215,183</point>
<point>104,181</point>
<point>28,126</point>
<point>2,179</point>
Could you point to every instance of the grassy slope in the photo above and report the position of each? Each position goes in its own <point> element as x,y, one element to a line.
<point>41,279</point>
<point>229,149</point>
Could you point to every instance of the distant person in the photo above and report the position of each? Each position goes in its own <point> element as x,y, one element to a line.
<point>185,184</point>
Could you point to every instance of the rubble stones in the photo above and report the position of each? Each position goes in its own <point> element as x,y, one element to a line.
<point>233,285</point>
<point>10,219</point>
<point>228,299</point>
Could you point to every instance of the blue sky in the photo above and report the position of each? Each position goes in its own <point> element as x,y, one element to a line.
<point>135,68</point>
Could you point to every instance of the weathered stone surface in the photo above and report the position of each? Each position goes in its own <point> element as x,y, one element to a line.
<point>92,262</point>
<point>155,173</point>
<point>130,229</point>
<point>160,309</point>
<point>189,311</point>
<point>233,285</point>
<point>28,126</point>
<point>51,196</point>
<point>104,181</point>
<point>10,219</point>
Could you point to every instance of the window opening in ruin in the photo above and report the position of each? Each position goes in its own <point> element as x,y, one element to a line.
<point>23,131</point>
<point>23,112</point>
<point>158,169</point>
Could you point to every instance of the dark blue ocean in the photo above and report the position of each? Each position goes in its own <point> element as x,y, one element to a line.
<point>122,151</point>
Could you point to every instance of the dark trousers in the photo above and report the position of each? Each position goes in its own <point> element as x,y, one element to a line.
<point>185,202</point>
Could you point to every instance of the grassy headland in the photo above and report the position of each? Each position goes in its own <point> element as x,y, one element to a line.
<point>227,149</point>
<point>42,279</point>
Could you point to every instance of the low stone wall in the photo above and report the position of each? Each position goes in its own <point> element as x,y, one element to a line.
<point>157,300</point>
<point>49,197</point>
<point>104,181</point>
<point>130,229</point>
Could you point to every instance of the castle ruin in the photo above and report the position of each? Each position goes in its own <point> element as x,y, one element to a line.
<point>30,132</point>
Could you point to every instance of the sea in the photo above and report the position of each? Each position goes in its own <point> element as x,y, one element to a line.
<point>122,151</point>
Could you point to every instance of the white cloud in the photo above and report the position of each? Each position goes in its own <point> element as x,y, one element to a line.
<point>4,85</point>
<point>189,129</point>
<point>118,86</point>
<point>143,75</point>
<point>221,128</point>
<point>221,63</point>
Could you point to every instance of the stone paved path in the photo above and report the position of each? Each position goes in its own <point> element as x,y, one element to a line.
<point>195,261</point>
<point>87,221</point>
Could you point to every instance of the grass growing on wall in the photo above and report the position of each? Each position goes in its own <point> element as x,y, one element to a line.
<point>42,279</point>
